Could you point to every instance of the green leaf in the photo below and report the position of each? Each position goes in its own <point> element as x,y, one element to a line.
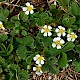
<point>28,40</point>
<point>47,41</point>
<point>29,59</point>
<point>77,47</point>
<point>76,66</point>
<point>3,37</point>
<point>24,74</point>
<point>52,6</point>
<point>40,21</point>
<point>21,51</point>
<point>6,13</point>
<point>10,25</point>
<point>63,60</point>
<point>24,33</point>
<point>75,9</point>
<point>23,17</point>
<point>9,49</point>
<point>72,20</point>
<point>68,46</point>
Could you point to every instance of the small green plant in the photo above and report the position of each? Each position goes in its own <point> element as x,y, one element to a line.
<point>39,39</point>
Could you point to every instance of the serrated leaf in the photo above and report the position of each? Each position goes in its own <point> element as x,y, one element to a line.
<point>77,47</point>
<point>21,51</point>
<point>68,46</point>
<point>9,49</point>
<point>63,60</point>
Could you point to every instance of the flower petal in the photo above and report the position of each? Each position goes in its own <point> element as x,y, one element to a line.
<point>62,41</point>
<point>27,12</point>
<point>49,27</point>
<point>27,4</point>
<point>42,62</point>
<point>58,47</point>
<point>31,12</point>
<point>45,26</point>
<point>34,68</point>
<point>58,34</point>
<point>45,34</point>
<point>1,22</point>
<point>42,30</point>
<point>49,33</point>
<point>24,8</point>
<point>59,27</point>
<point>37,62</point>
<point>53,45</point>
<point>68,39</point>
<point>57,30</point>
<point>35,58</point>
<point>64,34</point>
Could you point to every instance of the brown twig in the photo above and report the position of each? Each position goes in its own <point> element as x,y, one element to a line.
<point>14,6</point>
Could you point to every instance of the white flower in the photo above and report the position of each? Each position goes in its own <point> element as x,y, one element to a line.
<point>1,26</point>
<point>71,37</point>
<point>57,42</point>
<point>28,9</point>
<point>39,59</point>
<point>38,70</point>
<point>55,2</point>
<point>46,30</point>
<point>60,31</point>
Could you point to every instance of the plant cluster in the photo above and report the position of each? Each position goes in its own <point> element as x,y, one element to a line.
<point>48,35</point>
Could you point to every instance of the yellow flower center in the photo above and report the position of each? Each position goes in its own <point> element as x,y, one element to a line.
<point>40,58</point>
<point>61,30</point>
<point>1,26</point>
<point>46,30</point>
<point>58,42</point>
<point>29,8</point>
<point>72,36</point>
<point>38,68</point>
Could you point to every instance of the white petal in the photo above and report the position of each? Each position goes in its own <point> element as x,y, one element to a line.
<point>31,6</point>
<point>27,4</point>
<point>58,34</point>
<point>69,39</point>
<point>38,73</point>
<point>42,30</point>
<point>1,22</point>
<point>35,58</point>
<point>31,12</point>
<point>49,27</point>
<point>3,28</point>
<point>68,35</point>
<point>72,33</point>
<point>45,34</point>
<point>43,58</point>
<point>27,12</point>
<point>34,68</point>
<point>42,62</point>
<point>59,27</point>
<point>75,36</point>
<point>53,45</point>
<point>58,38</point>
<point>39,65</point>
<point>54,2</point>
<point>55,39</point>
<point>37,55</point>
<point>57,30</point>
<point>37,62</point>
<point>49,33</point>
<point>64,34</point>
<point>58,47</point>
<point>24,8</point>
<point>73,40</point>
<point>45,26</point>
<point>62,41</point>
